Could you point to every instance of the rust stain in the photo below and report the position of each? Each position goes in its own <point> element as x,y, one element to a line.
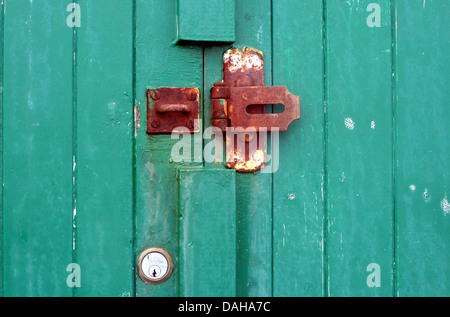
<point>243,59</point>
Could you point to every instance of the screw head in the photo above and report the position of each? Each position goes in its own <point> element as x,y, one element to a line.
<point>155,95</point>
<point>155,123</point>
<point>191,96</point>
<point>244,81</point>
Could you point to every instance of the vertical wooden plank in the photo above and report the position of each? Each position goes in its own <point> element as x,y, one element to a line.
<point>207,211</point>
<point>103,160</point>
<point>254,191</point>
<point>1,147</point>
<point>422,148</point>
<point>213,72</point>
<point>37,149</point>
<point>160,63</point>
<point>359,148</point>
<point>298,200</point>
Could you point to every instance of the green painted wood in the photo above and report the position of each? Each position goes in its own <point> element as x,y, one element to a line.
<point>422,148</point>
<point>104,154</point>
<point>298,193</point>
<point>159,63</point>
<point>37,149</point>
<point>254,191</point>
<point>213,65</point>
<point>1,147</point>
<point>207,212</point>
<point>206,20</point>
<point>362,180</point>
<point>359,184</point>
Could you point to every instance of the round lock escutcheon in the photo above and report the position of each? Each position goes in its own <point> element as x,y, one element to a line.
<point>155,265</point>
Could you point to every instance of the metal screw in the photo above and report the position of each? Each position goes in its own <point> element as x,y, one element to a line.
<point>191,96</point>
<point>155,95</point>
<point>155,123</point>
<point>244,81</point>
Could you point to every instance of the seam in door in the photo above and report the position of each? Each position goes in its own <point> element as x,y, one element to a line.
<point>133,154</point>
<point>74,147</point>
<point>325,269</point>
<point>203,102</point>
<point>271,150</point>
<point>1,143</point>
<point>393,5</point>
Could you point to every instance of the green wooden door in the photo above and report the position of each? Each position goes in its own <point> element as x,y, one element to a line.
<point>357,206</point>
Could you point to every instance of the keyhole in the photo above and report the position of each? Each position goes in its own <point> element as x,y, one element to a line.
<point>155,265</point>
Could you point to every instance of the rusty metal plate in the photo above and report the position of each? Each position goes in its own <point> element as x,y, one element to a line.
<point>238,107</point>
<point>242,97</point>
<point>243,76</point>
<point>173,110</point>
<point>245,151</point>
<point>244,67</point>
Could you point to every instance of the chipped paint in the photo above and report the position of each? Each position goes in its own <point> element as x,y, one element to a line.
<point>426,196</point>
<point>74,163</point>
<point>349,123</point>
<point>243,59</point>
<point>137,120</point>
<point>236,161</point>
<point>445,206</point>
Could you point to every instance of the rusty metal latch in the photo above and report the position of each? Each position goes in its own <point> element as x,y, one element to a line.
<point>243,86</point>
<point>239,98</point>
<point>172,110</point>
